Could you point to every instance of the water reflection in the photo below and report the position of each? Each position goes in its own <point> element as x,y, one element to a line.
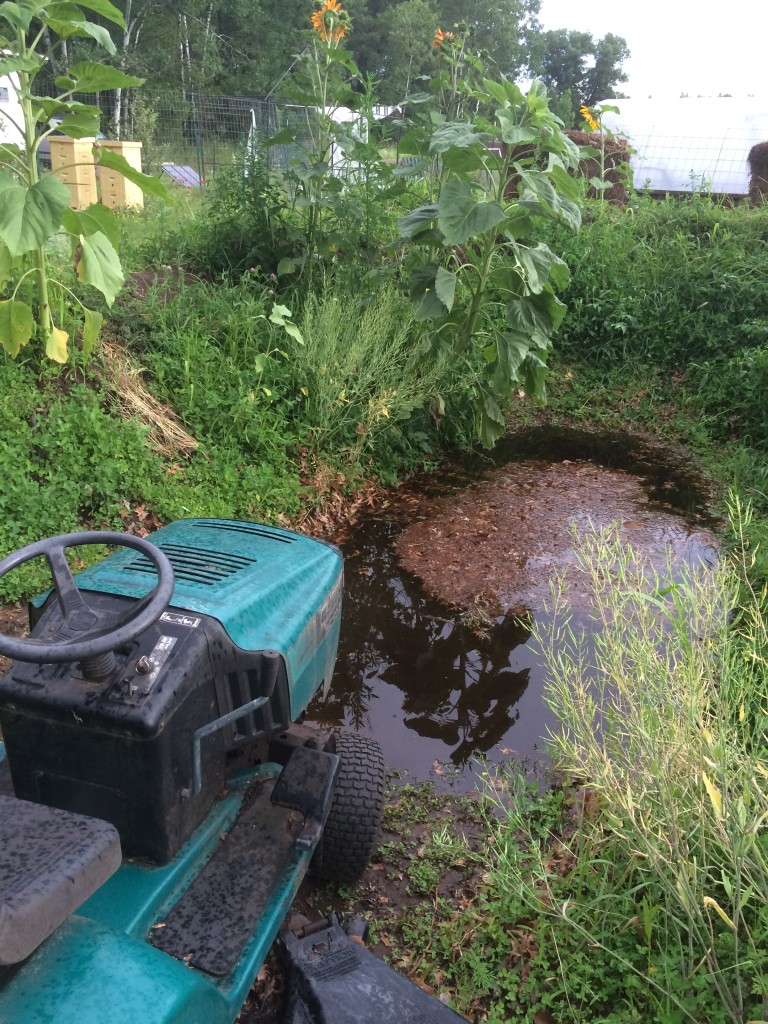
<point>435,694</point>
<point>439,696</point>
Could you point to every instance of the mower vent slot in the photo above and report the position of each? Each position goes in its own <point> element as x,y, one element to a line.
<point>245,528</point>
<point>195,565</point>
<point>244,687</point>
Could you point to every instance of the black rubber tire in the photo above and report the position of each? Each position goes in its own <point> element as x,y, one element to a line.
<point>352,830</point>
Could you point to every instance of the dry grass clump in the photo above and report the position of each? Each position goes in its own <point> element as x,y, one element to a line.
<point>123,378</point>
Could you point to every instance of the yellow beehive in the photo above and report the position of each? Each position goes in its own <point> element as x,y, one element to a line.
<point>72,163</point>
<point>115,189</point>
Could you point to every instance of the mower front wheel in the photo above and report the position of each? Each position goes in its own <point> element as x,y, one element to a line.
<point>352,829</point>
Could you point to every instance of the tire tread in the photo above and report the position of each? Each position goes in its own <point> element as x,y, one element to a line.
<point>352,830</point>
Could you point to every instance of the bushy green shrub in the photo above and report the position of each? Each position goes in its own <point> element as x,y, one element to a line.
<point>668,282</point>
<point>237,223</point>
<point>245,224</point>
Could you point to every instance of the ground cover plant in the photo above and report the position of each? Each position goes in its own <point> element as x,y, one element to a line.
<point>72,461</point>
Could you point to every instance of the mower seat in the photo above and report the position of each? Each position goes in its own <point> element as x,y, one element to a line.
<point>51,861</point>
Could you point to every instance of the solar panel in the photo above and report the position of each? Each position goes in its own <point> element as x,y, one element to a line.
<point>183,175</point>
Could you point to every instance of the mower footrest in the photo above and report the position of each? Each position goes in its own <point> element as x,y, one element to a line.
<point>51,861</point>
<point>212,922</point>
<point>306,785</point>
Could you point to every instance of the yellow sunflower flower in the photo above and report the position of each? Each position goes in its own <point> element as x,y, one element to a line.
<point>586,113</point>
<point>331,22</point>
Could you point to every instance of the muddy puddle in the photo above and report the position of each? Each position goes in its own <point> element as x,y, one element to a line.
<point>478,543</point>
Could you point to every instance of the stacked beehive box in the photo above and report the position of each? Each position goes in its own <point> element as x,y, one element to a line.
<point>115,189</point>
<point>72,163</point>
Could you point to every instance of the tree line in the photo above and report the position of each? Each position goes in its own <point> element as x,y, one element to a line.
<point>242,47</point>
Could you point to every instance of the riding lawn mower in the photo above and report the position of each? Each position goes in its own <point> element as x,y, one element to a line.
<point>161,800</point>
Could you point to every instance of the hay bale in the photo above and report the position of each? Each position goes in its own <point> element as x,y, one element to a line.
<point>616,165</point>
<point>758,173</point>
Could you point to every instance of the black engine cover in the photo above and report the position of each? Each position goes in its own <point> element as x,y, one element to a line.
<point>121,749</point>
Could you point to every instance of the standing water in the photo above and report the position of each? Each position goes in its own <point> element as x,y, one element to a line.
<point>435,658</point>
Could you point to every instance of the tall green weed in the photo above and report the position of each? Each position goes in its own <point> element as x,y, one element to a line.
<point>367,384</point>
<point>662,871</point>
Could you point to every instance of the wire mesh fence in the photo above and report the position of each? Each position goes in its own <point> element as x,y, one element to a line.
<point>692,145</point>
<point>691,161</point>
<point>198,130</point>
<point>683,150</point>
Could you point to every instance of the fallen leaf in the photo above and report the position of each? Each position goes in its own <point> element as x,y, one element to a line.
<point>423,985</point>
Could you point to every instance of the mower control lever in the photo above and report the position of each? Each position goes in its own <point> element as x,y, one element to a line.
<point>84,632</point>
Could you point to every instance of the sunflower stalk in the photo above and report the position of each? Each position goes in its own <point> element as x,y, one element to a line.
<point>322,88</point>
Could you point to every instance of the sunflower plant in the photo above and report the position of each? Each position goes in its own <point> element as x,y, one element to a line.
<point>498,164</point>
<point>592,118</point>
<point>34,206</point>
<point>322,85</point>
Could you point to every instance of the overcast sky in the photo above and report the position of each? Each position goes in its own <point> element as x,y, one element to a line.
<point>678,46</point>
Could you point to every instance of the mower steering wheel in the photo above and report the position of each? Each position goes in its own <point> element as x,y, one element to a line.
<point>86,632</point>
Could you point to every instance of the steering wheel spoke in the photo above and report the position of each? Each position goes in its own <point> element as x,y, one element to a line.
<point>86,632</point>
<point>76,615</point>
